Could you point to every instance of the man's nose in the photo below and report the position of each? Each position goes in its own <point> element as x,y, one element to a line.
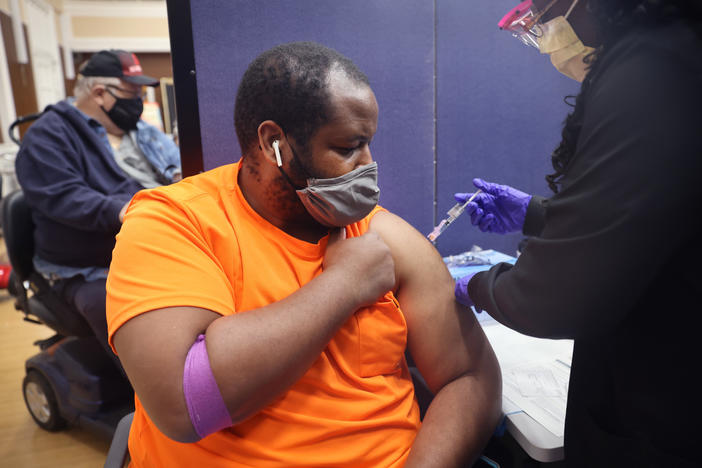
<point>364,158</point>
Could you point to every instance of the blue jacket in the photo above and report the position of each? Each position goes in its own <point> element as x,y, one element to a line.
<point>162,153</point>
<point>76,189</point>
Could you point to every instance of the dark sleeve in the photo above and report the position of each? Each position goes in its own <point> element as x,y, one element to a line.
<point>535,216</point>
<point>50,174</point>
<point>630,200</point>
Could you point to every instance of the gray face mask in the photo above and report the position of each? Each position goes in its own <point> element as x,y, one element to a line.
<point>338,201</point>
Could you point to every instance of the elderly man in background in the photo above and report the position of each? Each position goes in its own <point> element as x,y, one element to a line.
<point>79,165</point>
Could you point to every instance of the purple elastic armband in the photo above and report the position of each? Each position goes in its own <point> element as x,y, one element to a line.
<point>206,407</point>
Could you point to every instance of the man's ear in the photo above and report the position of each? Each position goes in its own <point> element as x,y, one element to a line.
<point>98,94</point>
<point>268,133</point>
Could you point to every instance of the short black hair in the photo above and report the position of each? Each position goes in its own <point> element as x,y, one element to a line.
<point>288,85</point>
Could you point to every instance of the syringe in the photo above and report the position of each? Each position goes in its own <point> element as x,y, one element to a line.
<point>453,214</point>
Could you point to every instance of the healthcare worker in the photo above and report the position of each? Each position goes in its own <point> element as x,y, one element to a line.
<point>613,260</point>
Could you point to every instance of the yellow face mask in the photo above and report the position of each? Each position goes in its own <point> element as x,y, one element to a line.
<point>558,39</point>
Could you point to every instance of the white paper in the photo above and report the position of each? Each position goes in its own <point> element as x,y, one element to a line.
<point>540,389</point>
<point>537,381</point>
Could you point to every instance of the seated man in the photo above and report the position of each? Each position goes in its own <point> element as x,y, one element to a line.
<point>79,165</point>
<point>262,309</point>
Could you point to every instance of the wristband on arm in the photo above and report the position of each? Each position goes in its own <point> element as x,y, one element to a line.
<point>206,407</point>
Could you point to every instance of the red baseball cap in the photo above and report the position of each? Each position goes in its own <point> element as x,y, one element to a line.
<point>119,64</point>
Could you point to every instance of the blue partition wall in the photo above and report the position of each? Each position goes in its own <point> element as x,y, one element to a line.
<point>458,98</point>
<point>392,45</point>
<point>499,112</point>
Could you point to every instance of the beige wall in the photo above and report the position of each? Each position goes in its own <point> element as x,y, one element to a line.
<point>137,26</point>
<point>87,26</point>
<point>106,20</point>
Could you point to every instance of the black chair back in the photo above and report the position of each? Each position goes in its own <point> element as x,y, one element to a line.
<point>44,303</point>
<point>18,230</point>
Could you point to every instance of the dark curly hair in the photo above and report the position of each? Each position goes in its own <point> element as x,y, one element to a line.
<point>614,18</point>
<point>288,85</point>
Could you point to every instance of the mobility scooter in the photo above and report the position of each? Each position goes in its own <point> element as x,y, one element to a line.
<point>71,380</point>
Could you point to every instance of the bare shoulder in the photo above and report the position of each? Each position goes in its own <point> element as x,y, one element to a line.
<point>400,236</point>
<point>443,337</point>
<point>415,257</point>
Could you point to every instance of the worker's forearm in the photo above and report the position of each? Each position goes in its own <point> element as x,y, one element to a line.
<point>258,354</point>
<point>459,422</point>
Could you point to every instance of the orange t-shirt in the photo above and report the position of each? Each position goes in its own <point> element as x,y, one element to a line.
<point>199,243</point>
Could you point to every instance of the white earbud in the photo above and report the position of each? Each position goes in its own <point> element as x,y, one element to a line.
<point>277,153</point>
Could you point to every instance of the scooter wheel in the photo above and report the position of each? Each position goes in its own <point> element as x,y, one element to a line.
<point>41,402</point>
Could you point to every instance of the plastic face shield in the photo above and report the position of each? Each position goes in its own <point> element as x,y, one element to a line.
<point>523,22</point>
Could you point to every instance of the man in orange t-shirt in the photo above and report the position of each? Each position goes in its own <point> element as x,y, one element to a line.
<point>262,309</point>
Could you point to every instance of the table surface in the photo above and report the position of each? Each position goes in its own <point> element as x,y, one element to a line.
<point>537,441</point>
<point>509,346</point>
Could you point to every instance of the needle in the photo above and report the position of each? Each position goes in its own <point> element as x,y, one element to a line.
<point>453,214</point>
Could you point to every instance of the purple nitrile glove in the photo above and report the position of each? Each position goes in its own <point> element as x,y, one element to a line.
<point>498,208</point>
<point>461,290</point>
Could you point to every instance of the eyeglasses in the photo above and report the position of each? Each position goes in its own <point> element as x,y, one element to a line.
<point>523,21</point>
<point>130,94</point>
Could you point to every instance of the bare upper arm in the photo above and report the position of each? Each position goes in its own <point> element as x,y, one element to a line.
<point>444,337</point>
<point>152,348</point>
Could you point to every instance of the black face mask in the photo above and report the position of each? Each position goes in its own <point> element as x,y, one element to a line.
<point>126,112</point>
